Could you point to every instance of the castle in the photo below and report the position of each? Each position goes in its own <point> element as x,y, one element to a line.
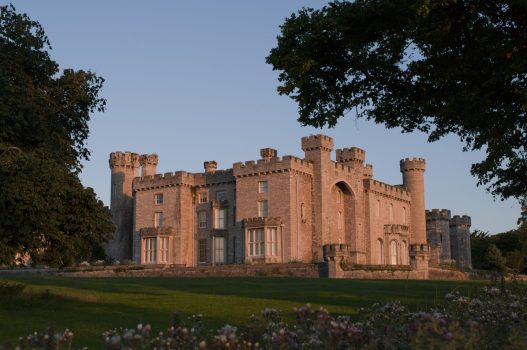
<point>280,209</point>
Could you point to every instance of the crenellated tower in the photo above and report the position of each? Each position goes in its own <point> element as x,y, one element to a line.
<point>124,168</point>
<point>438,235</point>
<point>317,149</point>
<point>413,180</point>
<point>460,241</point>
<point>148,164</point>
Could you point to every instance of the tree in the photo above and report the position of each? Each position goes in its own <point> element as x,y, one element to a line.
<point>44,209</point>
<point>494,259</point>
<point>439,67</point>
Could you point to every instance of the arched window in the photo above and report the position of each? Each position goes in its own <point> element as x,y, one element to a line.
<point>404,215</point>
<point>390,213</point>
<point>404,253</point>
<point>393,253</point>
<point>302,211</point>
<point>378,208</point>
<point>380,252</point>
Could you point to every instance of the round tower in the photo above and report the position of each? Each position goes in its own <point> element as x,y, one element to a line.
<point>413,180</point>
<point>124,168</point>
<point>438,234</point>
<point>460,241</point>
<point>148,164</point>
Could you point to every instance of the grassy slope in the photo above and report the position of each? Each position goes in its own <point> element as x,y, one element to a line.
<point>88,306</point>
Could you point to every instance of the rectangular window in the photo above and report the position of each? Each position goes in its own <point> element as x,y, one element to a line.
<point>219,250</point>
<point>202,198</point>
<point>202,218</point>
<point>256,242</point>
<point>263,209</point>
<point>150,249</point>
<point>203,251</point>
<point>158,219</point>
<point>158,198</point>
<point>163,249</point>
<point>220,196</point>
<point>263,187</point>
<point>272,242</point>
<point>220,219</point>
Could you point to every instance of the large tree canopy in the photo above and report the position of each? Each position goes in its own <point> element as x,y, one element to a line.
<point>451,66</point>
<point>44,209</point>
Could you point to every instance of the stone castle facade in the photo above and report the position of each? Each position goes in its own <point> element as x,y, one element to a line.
<point>279,209</point>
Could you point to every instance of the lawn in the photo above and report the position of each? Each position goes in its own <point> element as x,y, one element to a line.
<point>89,306</point>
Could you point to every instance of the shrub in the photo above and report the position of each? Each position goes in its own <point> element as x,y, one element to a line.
<point>11,289</point>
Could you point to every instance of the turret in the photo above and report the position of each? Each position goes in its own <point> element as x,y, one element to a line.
<point>413,180</point>
<point>351,156</point>
<point>148,164</point>
<point>317,147</point>
<point>268,153</point>
<point>210,166</point>
<point>124,168</point>
<point>438,234</point>
<point>460,241</point>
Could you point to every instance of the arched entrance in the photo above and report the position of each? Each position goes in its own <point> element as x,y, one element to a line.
<point>342,213</point>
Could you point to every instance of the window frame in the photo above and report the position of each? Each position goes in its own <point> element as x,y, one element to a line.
<point>263,186</point>
<point>158,196</point>
<point>158,219</point>
<point>263,208</point>
<point>203,221</point>
<point>220,195</point>
<point>219,250</point>
<point>220,219</point>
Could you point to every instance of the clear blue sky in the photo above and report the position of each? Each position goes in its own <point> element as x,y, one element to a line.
<point>188,80</point>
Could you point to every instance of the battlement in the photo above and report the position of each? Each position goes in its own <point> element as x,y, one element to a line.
<point>124,159</point>
<point>213,178</point>
<point>163,180</point>
<point>460,221</point>
<point>412,164</point>
<point>396,229</point>
<point>210,166</point>
<point>383,188</point>
<point>148,159</point>
<point>268,153</point>
<point>277,164</point>
<point>438,214</point>
<point>353,154</point>
<point>315,142</point>
<point>368,171</point>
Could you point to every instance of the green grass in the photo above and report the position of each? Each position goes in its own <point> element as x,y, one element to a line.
<point>89,306</point>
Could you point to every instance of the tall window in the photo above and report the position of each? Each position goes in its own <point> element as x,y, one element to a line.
<point>203,251</point>
<point>219,250</point>
<point>256,242</point>
<point>158,198</point>
<point>340,220</point>
<point>404,253</point>
<point>404,215</point>
<point>393,253</point>
<point>390,211</point>
<point>202,197</point>
<point>263,209</point>
<point>220,219</point>
<point>339,196</point>
<point>158,219</point>
<point>202,219</point>
<point>149,252</point>
<point>272,242</point>
<point>220,196</point>
<point>380,252</point>
<point>263,187</point>
<point>378,208</point>
<point>163,249</point>
<point>302,211</point>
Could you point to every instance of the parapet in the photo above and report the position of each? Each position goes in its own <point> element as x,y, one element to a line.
<point>274,165</point>
<point>268,153</point>
<point>317,142</point>
<point>210,166</point>
<point>179,178</point>
<point>148,159</point>
<point>385,189</point>
<point>124,159</point>
<point>438,214</point>
<point>396,229</point>
<point>460,221</point>
<point>353,154</point>
<point>368,171</point>
<point>412,164</point>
